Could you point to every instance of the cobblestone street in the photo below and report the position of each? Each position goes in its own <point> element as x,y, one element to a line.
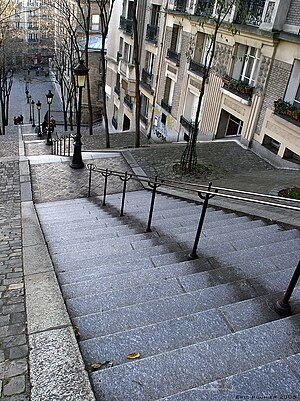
<point>14,381</point>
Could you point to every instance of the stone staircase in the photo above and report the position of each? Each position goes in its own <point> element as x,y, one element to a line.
<point>205,329</point>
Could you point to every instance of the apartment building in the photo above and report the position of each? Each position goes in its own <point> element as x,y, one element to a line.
<point>34,23</point>
<point>251,69</point>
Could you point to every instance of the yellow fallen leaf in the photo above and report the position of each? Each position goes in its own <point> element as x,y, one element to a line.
<point>76,332</point>
<point>95,366</point>
<point>134,355</point>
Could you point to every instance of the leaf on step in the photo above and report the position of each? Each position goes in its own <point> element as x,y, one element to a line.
<point>104,364</point>
<point>76,332</point>
<point>134,355</point>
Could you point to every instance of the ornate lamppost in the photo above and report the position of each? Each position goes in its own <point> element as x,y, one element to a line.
<point>32,105</point>
<point>27,95</point>
<point>39,106</point>
<point>29,102</point>
<point>49,97</point>
<point>80,74</point>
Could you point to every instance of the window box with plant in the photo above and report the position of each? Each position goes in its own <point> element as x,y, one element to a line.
<point>284,108</point>
<point>236,86</point>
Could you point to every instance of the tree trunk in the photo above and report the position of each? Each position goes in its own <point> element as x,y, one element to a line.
<point>137,76</point>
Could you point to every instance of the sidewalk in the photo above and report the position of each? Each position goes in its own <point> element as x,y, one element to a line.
<point>26,268</point>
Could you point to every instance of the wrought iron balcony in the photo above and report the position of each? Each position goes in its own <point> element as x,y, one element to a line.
<point>197,68</point>
<point>174,56</point>
<point>126,25</point>
<point>166,106</point>
<point>188,125</point>
<point>152,33</point>
<point>117,90</point>
<point>114,123</point>
<point>119,55</point>
<point>204,8</point>
<point>128,101</point>
<point>180,5</point>
<point>250,12</point>
<point>144,119</point>
<point>146,79</point>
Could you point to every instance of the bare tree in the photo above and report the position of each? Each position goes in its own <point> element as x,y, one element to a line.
<point>136,61</point>
<point>217,16</point>
<point>105,9</point>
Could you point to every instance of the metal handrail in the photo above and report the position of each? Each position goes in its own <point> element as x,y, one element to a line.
<point>205,193</point>
<point>61,146</point>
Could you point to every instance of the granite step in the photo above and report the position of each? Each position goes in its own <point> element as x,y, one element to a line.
<point>184,331</point>
<point>146,313</point>
<point>179,370</point>
<point>274,380</point>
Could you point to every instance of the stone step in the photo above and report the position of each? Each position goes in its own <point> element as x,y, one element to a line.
<point>123,319</point>
<point>184,331</point>
<point>179,370</point>
<point>274,380</point>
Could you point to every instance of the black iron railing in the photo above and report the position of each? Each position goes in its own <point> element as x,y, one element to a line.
<point>173,56</point>
<point>146,79</point>
<point>250,12</point>
<point>128,101</point>
<point>187,124</point>
<point>152,33</point>
<point>164,104</point>
<point>114,122</point>
<point>204,8</point>
<point>61,146</point>
<point>180,5</point>
<point>197,68</point>
<point>117,90</point>
<point>126,25</point>
<point>205,193</point>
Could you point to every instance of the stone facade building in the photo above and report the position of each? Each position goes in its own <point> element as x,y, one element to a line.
<point>252,68</point>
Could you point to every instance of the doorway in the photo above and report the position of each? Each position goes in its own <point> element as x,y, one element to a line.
<point>126,123</point>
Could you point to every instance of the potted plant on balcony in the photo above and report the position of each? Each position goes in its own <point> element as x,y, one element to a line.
<point>296,114</point>
<point>226,80</point>
<point>281,107</point>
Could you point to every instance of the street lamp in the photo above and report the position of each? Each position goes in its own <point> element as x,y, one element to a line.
<point>49,97</point>
<point>27,95</point>
<point>29,101</point>
<point>80,74</point>
<point>39,106</point>
<point>32,105</point>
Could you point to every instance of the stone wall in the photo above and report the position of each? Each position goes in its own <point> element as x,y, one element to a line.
<point>275,89</point>
<point>293,17</point>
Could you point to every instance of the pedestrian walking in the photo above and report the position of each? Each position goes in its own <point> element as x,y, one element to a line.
<point>52,124</point>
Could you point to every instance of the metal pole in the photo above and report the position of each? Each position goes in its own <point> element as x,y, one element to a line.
<point>193,254</point>
<point>282,307</point>
<point>77,156</point>
<point>148,229</point>
<point>90,181</point>
<point>39,122</point>
<point>124,193</point>
<point>49,137</point>
<point>33,122</point>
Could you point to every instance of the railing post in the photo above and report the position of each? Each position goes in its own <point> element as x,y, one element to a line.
<point>193,254</point>
<point>125,179</point>
<point>90,180</point>
<point>69,145</point>
<point>106,175</point>
<point>64,145</point>
<point>154,188</point>
<point>282,307</point>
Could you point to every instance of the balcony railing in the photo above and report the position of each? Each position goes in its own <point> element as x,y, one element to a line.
<point>166,106</point>
<point>126,25</point>
<point>128,101</point>
<point>240,88</point>
<point>250,12</point>
<point>144,119</point>
<point>114,123</point>
<point>180,5</point>
<point>197,68</point>
<point>147,79</point>
<point>119,55</point>
<point>173,56</point>
<point>204,8</point>
<point>117,90</point>
<point>152,33</point>
<point>187,124</point>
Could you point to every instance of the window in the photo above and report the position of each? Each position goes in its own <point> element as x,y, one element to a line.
<point>149,62</point>
<point>293,90</point>
<point>175,38</point>
<point>155,15</point>
<point>95,22</point>
<point>127,53</point>
<point>246,65</point>
<point>169,89</point>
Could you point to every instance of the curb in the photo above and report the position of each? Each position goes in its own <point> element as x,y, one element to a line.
<point>56,367</point>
